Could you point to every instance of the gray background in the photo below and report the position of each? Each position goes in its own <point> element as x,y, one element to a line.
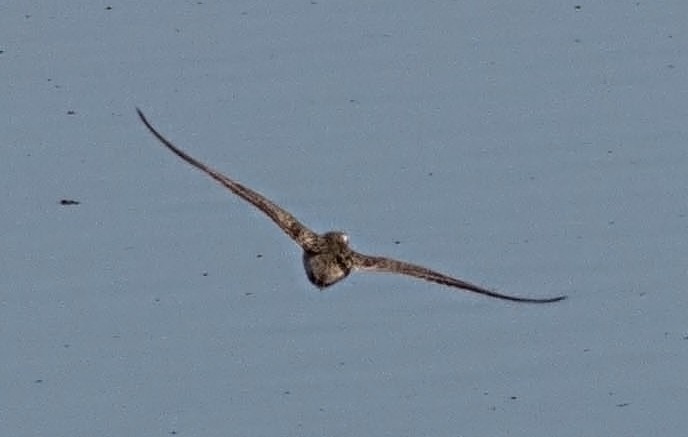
<point>535,147</point>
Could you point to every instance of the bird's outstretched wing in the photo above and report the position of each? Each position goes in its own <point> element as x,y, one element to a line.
<point>303,236</point>
<point>382,264</point>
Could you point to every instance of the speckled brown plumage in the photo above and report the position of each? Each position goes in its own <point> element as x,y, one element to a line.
<point>327,257</point>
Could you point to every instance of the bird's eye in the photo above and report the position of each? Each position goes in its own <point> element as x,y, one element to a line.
<point>345,238</point>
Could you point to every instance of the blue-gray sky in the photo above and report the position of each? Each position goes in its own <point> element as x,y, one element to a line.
<point>538,148</point>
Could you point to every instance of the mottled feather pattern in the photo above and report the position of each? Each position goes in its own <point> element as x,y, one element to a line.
<point>328,258</point>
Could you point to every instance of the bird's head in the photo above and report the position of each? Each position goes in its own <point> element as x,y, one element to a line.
<point>337,240</point>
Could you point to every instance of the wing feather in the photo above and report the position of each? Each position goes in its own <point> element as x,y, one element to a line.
<point>388,265</point>
<point>303,236</point>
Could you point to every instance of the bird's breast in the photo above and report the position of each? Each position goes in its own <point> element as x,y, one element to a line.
<point>325,269</point>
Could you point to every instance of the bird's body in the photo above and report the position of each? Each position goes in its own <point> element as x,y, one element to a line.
<point>331,262</point>
<point>328,258</point>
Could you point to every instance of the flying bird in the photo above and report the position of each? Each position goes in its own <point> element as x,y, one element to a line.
<point>328,258</point>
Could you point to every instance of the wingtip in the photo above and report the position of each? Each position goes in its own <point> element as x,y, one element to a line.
<point>558,298</point>
<point>542,300</point>
<point>147,123</point>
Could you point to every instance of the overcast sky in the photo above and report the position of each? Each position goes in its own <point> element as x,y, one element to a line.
<point>537,148</point>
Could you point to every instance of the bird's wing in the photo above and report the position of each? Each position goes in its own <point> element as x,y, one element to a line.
<point>306,238</point>
<point>382,264</point>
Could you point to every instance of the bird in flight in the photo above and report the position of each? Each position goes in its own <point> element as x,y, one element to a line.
<point>327,257</point>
